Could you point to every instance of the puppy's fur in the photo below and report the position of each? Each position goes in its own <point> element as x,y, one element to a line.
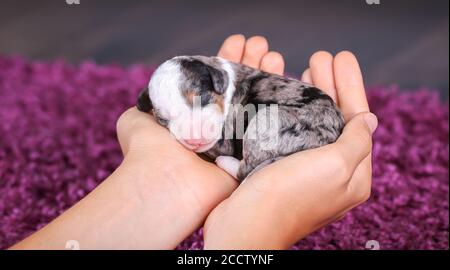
<point>307,117</point>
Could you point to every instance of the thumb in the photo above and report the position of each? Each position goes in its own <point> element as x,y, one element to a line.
<point>136,127</point>
<point>355,142</point>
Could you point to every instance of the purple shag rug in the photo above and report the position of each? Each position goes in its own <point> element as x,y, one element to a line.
<point>58,141</point>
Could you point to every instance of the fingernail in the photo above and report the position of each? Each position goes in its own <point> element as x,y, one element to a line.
<point>371,121</point>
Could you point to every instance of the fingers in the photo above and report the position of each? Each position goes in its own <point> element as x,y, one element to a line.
<point>273,62</point>
<point>255,49</point>
<point>136,124</point>
<point>254,53</point>
<point>355,142</point>
<point>232,48</point>
<point>352,101</point>
<point>133,118</point>
<point>127,123</point>
<point>349,85</point>
<point>123,127</point>
<point>306,76</point>
<point>129,118</point>
<point>321,70</point>
<point>360,184</point>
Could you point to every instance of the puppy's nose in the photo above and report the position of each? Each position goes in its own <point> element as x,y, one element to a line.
<point>196,142</point>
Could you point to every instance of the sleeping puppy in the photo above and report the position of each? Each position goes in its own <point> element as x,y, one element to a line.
<point>241,117</point>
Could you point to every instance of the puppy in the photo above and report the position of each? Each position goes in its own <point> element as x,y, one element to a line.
<point>241,117</point>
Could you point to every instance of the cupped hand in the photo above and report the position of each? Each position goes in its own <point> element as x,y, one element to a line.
<point>284,202</point>
<point>185,181</point>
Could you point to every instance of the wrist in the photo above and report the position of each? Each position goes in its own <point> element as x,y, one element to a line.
<point>167,210</point>
<point>178,185</point>
<point>279,222</point>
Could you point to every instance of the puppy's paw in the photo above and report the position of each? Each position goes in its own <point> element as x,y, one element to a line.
<point>229,164</point>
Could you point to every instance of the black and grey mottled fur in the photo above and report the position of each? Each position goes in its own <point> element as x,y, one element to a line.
<point>308,117</point>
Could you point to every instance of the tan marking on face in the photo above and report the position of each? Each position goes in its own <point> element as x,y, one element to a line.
<point>218,99</point>
<point>189,95</point>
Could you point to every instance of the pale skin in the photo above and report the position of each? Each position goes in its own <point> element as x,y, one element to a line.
<point>155,201</point>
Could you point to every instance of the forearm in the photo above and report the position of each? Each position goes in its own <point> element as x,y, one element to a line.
<point>131,209</point>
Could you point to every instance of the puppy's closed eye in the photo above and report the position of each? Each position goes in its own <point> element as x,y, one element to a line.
<point>161,120</point>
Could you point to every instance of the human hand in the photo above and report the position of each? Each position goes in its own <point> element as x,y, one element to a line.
<point>188,184</point>
<point>159,194</point>
<point>289,199</point>
<point>157,197</point>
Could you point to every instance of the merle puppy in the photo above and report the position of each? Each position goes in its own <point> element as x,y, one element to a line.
<point>226,111</point>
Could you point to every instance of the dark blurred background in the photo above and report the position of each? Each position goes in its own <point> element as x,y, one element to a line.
<point>404,42</point>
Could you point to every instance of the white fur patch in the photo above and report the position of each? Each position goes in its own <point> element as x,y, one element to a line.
<point>164,91</point>
<point>229,92</point>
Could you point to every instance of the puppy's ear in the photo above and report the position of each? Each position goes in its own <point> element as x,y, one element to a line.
<point>208,76</point>
<point>218,79</point>
<point>144,104</point>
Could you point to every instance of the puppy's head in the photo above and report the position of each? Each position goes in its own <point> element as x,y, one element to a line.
<point>190,95</point>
